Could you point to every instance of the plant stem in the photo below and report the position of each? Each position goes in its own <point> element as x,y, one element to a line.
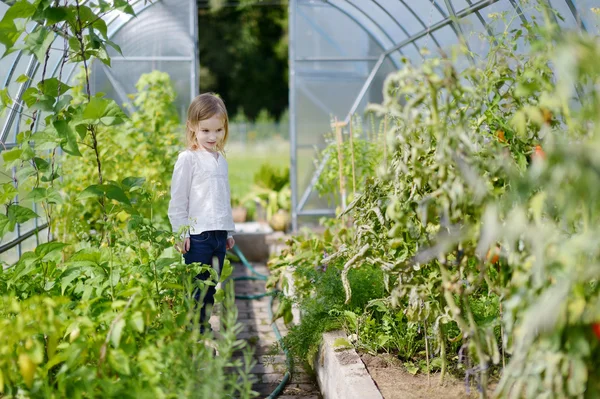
<point>480,353</point>
<point>353,161</point>
<point>427,352</point>
<point>442,353</point>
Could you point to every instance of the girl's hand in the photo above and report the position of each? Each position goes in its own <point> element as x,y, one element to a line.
<point>230,243</point>
<point>184,246</point>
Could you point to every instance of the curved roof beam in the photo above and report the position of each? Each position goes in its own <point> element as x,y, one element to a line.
<point>385,33</point>
<point>456,26</point>
<point>319,30</point>
<point>399,25</point>
<point>361,25</point>
<point>485,25</point>
<point>421,22</point>
<point>576,15</point>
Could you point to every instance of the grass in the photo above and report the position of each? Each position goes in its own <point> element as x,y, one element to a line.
<point>245,161</point>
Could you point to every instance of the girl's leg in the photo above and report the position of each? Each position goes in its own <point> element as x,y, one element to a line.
<point>220,241</point>
<point>201,251</point>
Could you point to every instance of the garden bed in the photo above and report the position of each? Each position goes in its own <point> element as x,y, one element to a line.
<point>395,382</point>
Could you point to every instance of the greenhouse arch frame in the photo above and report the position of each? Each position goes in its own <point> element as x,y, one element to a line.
<point>163,35</point>
<point>340,52</point>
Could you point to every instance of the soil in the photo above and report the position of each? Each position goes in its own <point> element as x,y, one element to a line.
<point>395,382</point>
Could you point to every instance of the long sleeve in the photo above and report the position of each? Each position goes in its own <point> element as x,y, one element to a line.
<point>229,232</point>
<point>180,192</point>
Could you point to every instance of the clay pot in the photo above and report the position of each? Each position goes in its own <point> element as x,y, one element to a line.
<point>239,214</point>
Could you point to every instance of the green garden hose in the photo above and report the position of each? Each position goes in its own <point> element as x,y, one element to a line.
<point>262,277</point>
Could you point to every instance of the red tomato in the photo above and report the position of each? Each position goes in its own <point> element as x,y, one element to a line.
<point>500,135</point>
<point>538,152</point>
<point>596,329</point>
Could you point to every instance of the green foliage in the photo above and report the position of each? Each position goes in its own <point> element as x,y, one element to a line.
<point>366,154</point>
<point>147,144</point>
<point>271,190</point>
<point>487,241</point>
<point>107,310</point>
<point>320,293</point>
<point>270,177</point>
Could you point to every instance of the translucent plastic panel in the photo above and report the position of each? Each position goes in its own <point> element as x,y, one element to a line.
<point>325,31</point>
<point>378,15</point>
<point>29,244</point>
<point>317,102</point>
<point>459,5</point>
<point>158,30</point>
<point>568,19</point>
<point>305,165</point>
<point>116,19</point>
<point>589,19</point>
<point>445,37</point>
<point>125,75</point>
<point>475,34</point>
<point>9,257</point>
<point>426,10</point>
<point>401,15</point>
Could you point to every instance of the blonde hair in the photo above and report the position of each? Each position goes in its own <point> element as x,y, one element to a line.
<point>203,107</point>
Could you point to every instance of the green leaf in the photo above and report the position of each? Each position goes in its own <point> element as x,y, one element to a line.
<point>44,194</point>
<point>64,102</point>
<point>115,46</point>
<point>25,172</point>
<point>226,271</point>
<point>519,123</point>
<point>30,96</point>
<point>38,42</point>
<point>54,15</point>
<point>20,9</point>
<point>50,87</point>
<point>119,361</point>
<point>41,164</point>
<point>4,225</point>
<point>116,193</point>
<point>113,114</point>
<point>117,331</point>
<point>5,99</point>
<point>12,155</point>
<point>411,368</point>
<point>7,193</point>
<point>123,5</point>
<point>137,321</point>
<point>69,136</point>
<point>131,182</point>
<point>48,248</point>
<point>20,214</point>
<point>219,295</point>
<point>96,108</point>
<point>35,99</point>
<point>341,344</point>
<point>100,26</point>
<point>94,190</point>
<point>66,281</point>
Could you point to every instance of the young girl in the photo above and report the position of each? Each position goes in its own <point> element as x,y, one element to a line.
<point>200,196</point>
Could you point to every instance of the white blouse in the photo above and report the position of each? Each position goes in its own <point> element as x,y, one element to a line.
<point>200,196</point>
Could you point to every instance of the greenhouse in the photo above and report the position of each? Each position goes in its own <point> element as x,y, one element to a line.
<point>418,220</point>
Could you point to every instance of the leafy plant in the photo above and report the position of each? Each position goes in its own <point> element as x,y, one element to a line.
<point>483,217</point>
<point>107,310</point>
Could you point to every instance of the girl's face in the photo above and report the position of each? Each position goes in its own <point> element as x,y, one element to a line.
<point>210,132</point>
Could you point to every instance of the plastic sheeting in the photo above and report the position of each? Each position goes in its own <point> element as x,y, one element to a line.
<point>342,50</point>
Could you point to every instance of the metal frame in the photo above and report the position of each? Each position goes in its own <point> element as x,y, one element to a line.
<point>15,111</point>
<point>450,17</point>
